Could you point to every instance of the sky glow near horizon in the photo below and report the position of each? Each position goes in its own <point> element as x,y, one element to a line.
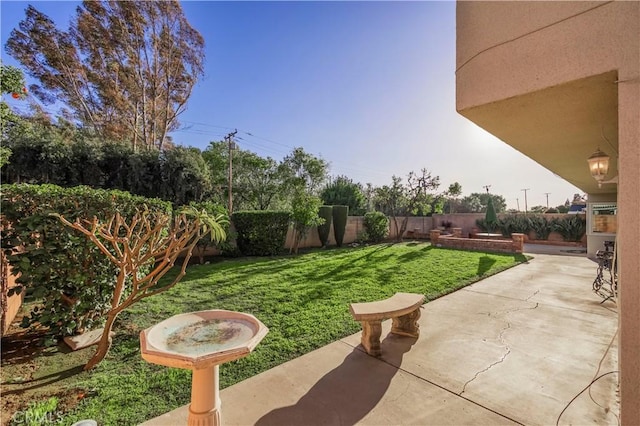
<point>367,86</point>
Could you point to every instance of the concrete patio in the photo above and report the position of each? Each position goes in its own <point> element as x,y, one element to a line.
<point>514,348</point>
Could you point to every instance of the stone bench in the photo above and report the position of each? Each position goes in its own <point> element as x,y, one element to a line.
<point>403,308</point>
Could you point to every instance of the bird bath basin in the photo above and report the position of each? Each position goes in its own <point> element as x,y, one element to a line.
<point>201,341</point>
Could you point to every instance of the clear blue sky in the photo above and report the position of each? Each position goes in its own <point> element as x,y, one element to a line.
<point>368,86</point>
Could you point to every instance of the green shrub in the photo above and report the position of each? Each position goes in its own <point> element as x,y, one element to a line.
<point>58,265</point>
<point>304,216</point>
<point>340,216</point>
<point>571,228</point>
<point>325,212</point>
<point>541,226</point>
<point>261,232</point>
<point>376,225</point>
<point>205,242</point>
<point>514,223</point>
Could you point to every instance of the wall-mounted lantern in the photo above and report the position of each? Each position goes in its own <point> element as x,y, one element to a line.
<point>598,166</point>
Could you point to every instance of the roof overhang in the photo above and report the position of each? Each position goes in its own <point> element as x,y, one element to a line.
<point>560,127</point>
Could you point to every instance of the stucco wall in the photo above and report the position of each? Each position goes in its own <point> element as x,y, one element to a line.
<point>629,245</point>
<point>505,49</point>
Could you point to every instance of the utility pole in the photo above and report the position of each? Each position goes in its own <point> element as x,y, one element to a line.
<point>547,194</point>
<point>487,187</point>
<point>518,203</point>
<point>525,199</point>
<point>231,144</point>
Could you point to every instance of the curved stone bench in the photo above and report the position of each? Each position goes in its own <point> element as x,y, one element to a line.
<point>403,308</point>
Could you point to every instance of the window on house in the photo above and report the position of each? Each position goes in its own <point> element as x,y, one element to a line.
<point>604,218</point>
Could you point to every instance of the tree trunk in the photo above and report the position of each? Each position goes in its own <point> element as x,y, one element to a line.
<point>403,228</point>
<point>105,342</point>
<point>398,235</point>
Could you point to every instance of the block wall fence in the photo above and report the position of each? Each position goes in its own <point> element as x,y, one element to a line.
<point>420,227</point>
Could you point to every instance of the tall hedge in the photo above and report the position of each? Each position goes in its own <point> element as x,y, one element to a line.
<point>179,175</point>
<point>58,265</point>
<point>325,212</point>
<point>340,216</point>
<point>491,219</point>
<point>261,233</point>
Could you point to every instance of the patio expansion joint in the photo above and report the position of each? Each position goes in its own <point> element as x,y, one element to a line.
<point>501,339</point>
<point>606,311</point>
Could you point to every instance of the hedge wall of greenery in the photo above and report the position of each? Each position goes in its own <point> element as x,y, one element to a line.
<point>179,175</point>
<point>261,233</point>
<point>58,265</point>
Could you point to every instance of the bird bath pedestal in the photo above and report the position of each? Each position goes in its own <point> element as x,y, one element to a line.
<point>201,341</point>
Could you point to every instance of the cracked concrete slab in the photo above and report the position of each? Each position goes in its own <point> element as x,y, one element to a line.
<point>513,348</point>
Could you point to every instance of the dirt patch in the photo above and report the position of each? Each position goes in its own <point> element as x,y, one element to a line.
<point>33,373</point>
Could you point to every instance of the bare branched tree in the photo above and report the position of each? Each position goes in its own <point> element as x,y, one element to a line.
<point>403,200</point>
<point>150,240</point>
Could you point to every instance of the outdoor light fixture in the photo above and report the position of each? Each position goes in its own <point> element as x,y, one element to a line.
<point>598,166</point>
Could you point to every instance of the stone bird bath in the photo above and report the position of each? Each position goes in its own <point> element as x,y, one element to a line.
<point>201,341</point>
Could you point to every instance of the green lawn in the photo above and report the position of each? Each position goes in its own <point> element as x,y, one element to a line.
<point>303,300</point>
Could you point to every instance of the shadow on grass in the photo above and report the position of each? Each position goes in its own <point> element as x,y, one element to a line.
<point>43,381</point>
<point>414,255</point>
<point>484,264</point>
<point>346,394</point>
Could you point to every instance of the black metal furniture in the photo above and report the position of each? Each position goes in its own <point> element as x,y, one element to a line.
<point>606,283</point>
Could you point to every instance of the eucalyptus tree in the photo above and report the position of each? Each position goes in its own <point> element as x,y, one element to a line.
<point>125,69</point>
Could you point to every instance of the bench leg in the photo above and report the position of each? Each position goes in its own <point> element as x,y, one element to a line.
<point>371,331</point>
<point>407,325</point>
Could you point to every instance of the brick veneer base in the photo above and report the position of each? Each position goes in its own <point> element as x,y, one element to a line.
<point>515,245</point>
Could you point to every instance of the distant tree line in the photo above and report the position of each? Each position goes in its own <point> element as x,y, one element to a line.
<point>64,155</point>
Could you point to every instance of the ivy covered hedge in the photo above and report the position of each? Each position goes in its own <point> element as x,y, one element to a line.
<point>261,233</point>
<point>57,265</point>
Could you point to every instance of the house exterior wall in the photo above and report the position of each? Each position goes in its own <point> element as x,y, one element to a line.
<point>505,49</point>
<point>509,49</point>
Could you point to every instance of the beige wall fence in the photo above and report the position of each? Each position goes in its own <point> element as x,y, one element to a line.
<point>355,228</point>
<point>417,227</point>
<point>9,305</point>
